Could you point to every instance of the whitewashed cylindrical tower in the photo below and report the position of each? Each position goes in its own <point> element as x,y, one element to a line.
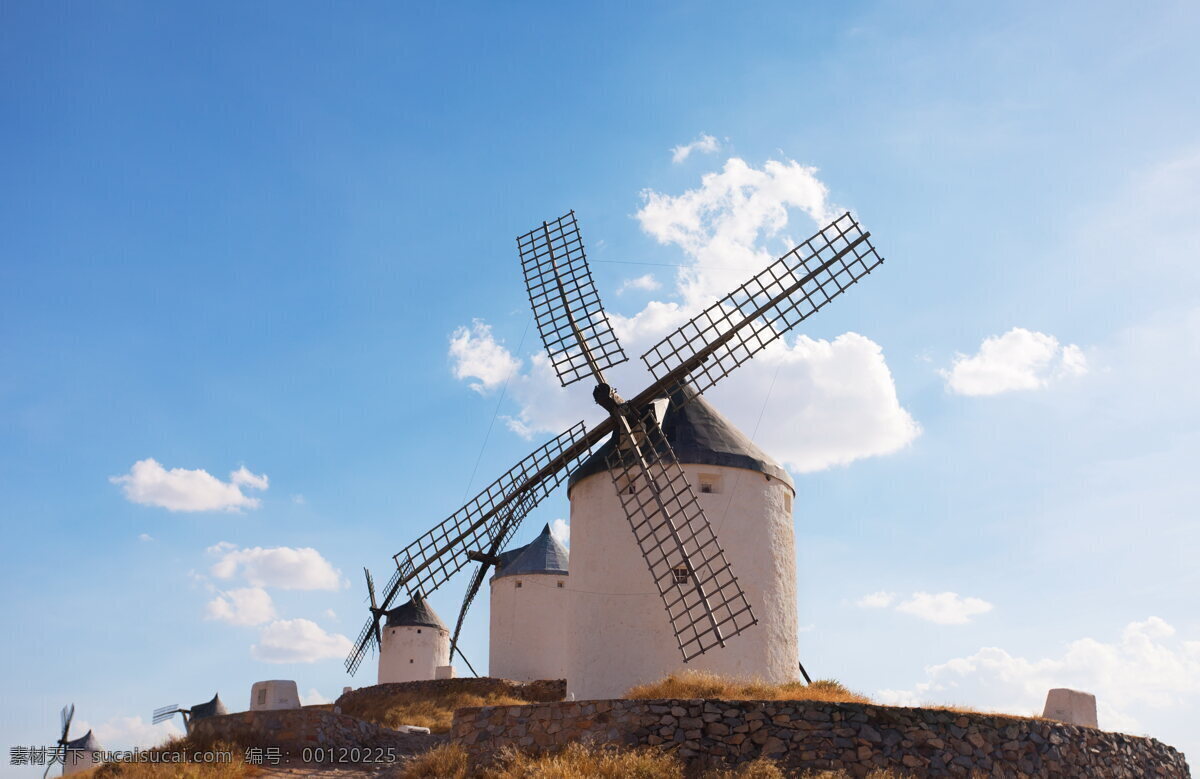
<point>618,632</point>
<point>81,754</point>
<point>529,612</point>
<point>415,643</point>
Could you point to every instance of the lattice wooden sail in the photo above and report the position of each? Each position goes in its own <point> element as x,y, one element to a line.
<point>432,559</point>
<point>703,599</point>
<point>570,318</point>
<point>741,324</point>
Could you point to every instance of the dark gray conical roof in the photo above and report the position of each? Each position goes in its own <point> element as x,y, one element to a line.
<point>86,743</point>
<point>214,708</point>
<point>700,435</point>
<point>415,612</point>
<point>543,554</point>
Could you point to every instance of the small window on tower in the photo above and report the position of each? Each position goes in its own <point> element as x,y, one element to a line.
<point>681,573</point>
<point>710,483</point>
<point>518,584</point>
<point>560,584</point>
<point>787,503</point>
<point>262,696</point>
<point>418,630</point>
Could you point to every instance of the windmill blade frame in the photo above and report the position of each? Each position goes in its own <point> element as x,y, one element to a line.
<point>738,326</point>
<point>571,320</point>
<point>163,713</point>
<point>511,523</point>
<point>704,602</point>
<point>436,556</point>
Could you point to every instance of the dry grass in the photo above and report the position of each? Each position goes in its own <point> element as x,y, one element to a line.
<point>426,709</point>
<point>702,684</point>
<point>577,761</point>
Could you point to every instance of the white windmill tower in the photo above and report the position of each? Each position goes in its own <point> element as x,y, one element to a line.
<point>75,755</point>
<point>649,491</point>
<point>413,644</point>
<point>530,608</point>
<point>746,496</point>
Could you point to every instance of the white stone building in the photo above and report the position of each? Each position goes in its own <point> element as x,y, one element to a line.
<point>274,695</point>
<point>529,606</point>
<point>81,754</point>
<point>415,644</point>
<point>617,631</point>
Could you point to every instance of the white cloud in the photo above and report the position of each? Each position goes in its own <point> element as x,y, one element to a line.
<point>476,354</point>
<point>246,606</point>
<point>646,282</point>
<point>313,698</point>
<point>705,144</point>
<point>876,600</point>
<point>298,641</point>
<point>722,225</point>
<point>832,402</point>
<point>1147,668</point>
<point>128,732</point>
<point>282,566</point>
<point>244,478</point>
<point>562,531</point>
<point>331,614</point>
<point>1018,360</point>
<point>145,537</point>
<point>944,608</point>
<point>181,489</point>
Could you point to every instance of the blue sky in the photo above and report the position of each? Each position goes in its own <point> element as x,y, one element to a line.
<point>240,236</point>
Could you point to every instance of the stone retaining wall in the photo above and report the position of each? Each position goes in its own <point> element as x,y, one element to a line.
<point>293,730</point>
<point>856,738</point>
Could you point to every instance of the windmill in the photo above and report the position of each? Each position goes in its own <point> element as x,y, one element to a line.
<point>68,752</point>
<point>704,603</point>
<point>213,708</point>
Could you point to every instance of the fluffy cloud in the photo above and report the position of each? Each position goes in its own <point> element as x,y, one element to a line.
<point>282,566</point>
<point>1018,360</point>
<point>1146,668</point>
<point>298,641</point>
<point>476,354</point>
<point>246,606</point>
<point>562,531</point>
<point>181,489</point>
<point>128,732</point>
<point>876,600</point>
<point>645,282</point>
<point>819,403</point>
<point>313,698</point>
<point>705,144</point>
<point>723,226</point>
<point>944,608</point>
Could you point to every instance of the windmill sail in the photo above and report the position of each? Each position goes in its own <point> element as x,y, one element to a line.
<point>703,599</point>
<point>570,318</point>
<point>439,554</point>
<point>741,324</point>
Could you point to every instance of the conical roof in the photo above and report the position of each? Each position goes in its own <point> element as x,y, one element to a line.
<point>86,743</point>
<point>700,435</point>
<point>543,554</point>
<point>214,708</point>
<point>415,612</point>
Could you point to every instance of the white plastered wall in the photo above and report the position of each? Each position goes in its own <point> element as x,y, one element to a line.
<point>528,627</point>
<point>273,695</point>
<point>618,633</point>
<point>412,653</point>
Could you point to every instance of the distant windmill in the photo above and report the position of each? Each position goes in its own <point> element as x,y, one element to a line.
<point>704,602</point>
<point>213,708</point>
<point>70,753</point>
